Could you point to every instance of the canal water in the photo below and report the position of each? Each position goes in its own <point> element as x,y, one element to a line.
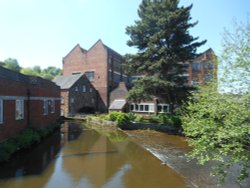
<point>80,157</point>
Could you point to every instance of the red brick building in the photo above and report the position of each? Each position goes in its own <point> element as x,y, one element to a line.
<point>26,101</point>
<point>198,71</point>
<point>101,65</point>
<point>78,95</point>
<point>202,69</point>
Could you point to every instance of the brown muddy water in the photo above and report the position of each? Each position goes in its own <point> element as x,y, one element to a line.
<point>172,150</point>
<point>84,158</point>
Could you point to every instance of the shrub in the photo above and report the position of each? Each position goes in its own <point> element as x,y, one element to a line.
<point>7,149</point>
<point>139,118</point>
<point>164,119</point>
<point>25,138</point>
<point>131,116</point>
<point>113,116</point>
<point>122,119</point>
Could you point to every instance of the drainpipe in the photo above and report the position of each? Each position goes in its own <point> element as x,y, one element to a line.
<point>28,107</point>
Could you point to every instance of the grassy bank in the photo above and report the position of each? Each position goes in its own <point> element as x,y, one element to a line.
<point>25,139</point>
<point>131,121</point>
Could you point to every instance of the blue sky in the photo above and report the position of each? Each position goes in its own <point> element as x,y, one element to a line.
<point>42,32</point>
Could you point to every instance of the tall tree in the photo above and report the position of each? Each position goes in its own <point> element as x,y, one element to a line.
<point>51,72</point>
<point>162,38</point>
<point>217,124</point>
<point>236,58</point>
<point>12,64</point>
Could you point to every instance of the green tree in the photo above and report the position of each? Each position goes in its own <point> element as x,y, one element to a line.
<point>37,69</point>
<point>236,58</point>
<point>47,73</point>
<point>217,124</point>
<point>51,72</point>
<point>29,71</point>
<point>163,42</point>
<point>12,64</point>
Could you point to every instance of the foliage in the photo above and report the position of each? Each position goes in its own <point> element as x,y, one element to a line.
<point>11,64</point>
<point>218,127</point>
<point>116,136</point>
<point>6,149</point>
<point>163,41</point>
<point>113,116</point>
<point>47,73</point>
<point>236,59</point>
<point>119,117</point>
<point>163,118</point>
<point>122,120</point>
<point>139,118</point>
<point>50,72</point>
<point>25,139</point>
<point>218,124</point>
<point>131,116</point>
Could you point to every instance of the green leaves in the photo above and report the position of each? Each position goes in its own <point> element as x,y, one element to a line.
<point>218,129</point>
<point>162,39</point>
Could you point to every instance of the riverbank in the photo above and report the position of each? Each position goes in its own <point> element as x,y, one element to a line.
<point>25,139</point>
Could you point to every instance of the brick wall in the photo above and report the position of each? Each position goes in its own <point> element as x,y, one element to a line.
<point>202,69</point>
<point>17,86</point>
<point>79,101</point>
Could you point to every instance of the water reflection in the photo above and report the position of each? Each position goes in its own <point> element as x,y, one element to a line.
<point>89,159</point>
<point>33,161</point>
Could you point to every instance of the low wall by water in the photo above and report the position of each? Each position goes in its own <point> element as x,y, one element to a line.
<point>151,126</point>
<point>100,123</point>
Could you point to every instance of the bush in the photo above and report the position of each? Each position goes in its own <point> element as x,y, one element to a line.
<point>139,118</point>
<point>113,116</point>
<point>131,116</point>
<point>7,149</point>
<point>122,119</point>
<point>25,139</point>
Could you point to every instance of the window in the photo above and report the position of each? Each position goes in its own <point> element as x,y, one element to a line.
<point>62,100</point>
<point>132,107</point>
<point>84,89</point>
<point>72,100</point>
<point>1,111</point>
<point>45,107</point>
<point>52,106</point>
<point>142,107</point>
<point>209,65</point>
<point>163,108</point>
<point>92,101</point>
<point>76,88</point>
<point>159,108</point>
<point>208,77</point>
<point>75,73</point>
<point>136,107</point>
<point>196,67</point>
<point>90,75</point>
<point>91,90</point>
<point>19,109</point>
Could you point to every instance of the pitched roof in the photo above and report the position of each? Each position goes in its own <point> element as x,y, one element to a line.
<point>27,79</point>
<point>66,82</point>
<point>118,104</point>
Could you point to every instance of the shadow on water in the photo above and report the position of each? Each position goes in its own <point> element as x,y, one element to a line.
<point>32,161</point>
<point>82,157</point>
